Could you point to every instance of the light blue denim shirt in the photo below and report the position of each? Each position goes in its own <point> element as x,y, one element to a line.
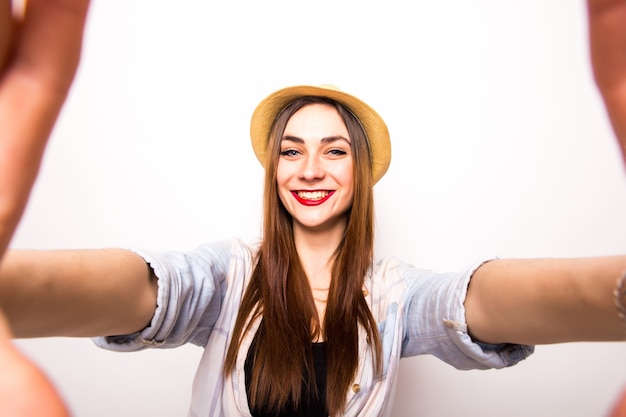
<point>418,312</point>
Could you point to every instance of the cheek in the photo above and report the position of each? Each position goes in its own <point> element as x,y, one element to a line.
<point>285,199</point>
<point>281,175</point>
<point>347,177</point>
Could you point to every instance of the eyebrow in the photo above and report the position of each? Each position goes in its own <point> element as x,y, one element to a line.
<point>327,139</point>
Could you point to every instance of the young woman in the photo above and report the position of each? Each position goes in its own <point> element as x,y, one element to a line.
<point>306,322</point>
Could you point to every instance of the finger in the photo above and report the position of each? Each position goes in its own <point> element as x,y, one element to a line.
<point>6,31</point>
<point>32,91</point>
<point>40,72</point>
<point>607,41</point>
<point>25,390</point>
<point>619,409</point>
<point>50,42</point>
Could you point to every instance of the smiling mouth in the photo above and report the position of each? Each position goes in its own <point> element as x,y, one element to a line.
<point>312,198</point>
<point>312,195</point>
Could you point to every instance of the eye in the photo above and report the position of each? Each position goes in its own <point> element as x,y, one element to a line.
<point>290,153</point>
<point>337,152</point>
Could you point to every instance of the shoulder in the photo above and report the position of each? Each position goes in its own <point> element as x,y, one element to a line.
<point>401,281</point>
<point>390,272</point>
<point>226,251</point>
<point>385,286</point>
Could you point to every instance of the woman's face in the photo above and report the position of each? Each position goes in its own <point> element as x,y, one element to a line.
<point>314,174</point>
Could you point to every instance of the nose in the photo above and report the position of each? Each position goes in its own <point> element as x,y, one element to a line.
<point>311,168</point>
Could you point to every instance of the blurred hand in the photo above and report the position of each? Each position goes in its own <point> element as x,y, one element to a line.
<point>619,410</point>
<point>40,46</point>
<point>607,41</point>
<point>39,55</point>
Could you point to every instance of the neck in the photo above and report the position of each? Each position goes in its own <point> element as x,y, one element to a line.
<point>316,251</point>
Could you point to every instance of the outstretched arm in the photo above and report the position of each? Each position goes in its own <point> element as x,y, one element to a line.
<point>79,293</point>
<point>607,41</point>
<point>538,301</point>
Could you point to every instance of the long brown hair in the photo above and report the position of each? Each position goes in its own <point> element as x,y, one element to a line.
<point>279,290</point>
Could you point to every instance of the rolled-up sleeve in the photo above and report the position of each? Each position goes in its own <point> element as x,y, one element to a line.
<point>435,323</point>
<point>191,287</point>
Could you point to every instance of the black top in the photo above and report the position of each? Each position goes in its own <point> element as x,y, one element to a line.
<point>311,405</point>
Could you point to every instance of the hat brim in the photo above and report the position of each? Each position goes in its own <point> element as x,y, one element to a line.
<point>375,128</point>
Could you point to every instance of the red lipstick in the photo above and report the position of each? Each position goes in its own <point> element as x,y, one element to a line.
<point>307,202</point>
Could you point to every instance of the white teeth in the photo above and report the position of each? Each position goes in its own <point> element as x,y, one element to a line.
<point>312,195</point>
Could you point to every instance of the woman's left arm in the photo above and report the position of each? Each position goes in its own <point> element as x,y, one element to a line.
<point>539,301</point>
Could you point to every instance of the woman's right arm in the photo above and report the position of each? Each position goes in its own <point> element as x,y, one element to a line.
<point>79,293</point>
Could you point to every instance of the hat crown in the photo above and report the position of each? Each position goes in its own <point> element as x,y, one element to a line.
<point>329,87</point>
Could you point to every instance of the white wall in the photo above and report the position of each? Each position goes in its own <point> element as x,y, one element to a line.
<point>501,147</point>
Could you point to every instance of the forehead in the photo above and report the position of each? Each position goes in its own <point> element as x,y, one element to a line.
<point>316,121</point>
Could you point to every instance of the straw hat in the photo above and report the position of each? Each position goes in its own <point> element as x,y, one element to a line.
<point>374,126</point>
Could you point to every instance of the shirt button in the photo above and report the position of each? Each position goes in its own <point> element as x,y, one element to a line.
<point>365,292</point>
<point>356,388</point>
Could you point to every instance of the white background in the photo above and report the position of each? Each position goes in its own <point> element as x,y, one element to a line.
<point>500,147</point>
